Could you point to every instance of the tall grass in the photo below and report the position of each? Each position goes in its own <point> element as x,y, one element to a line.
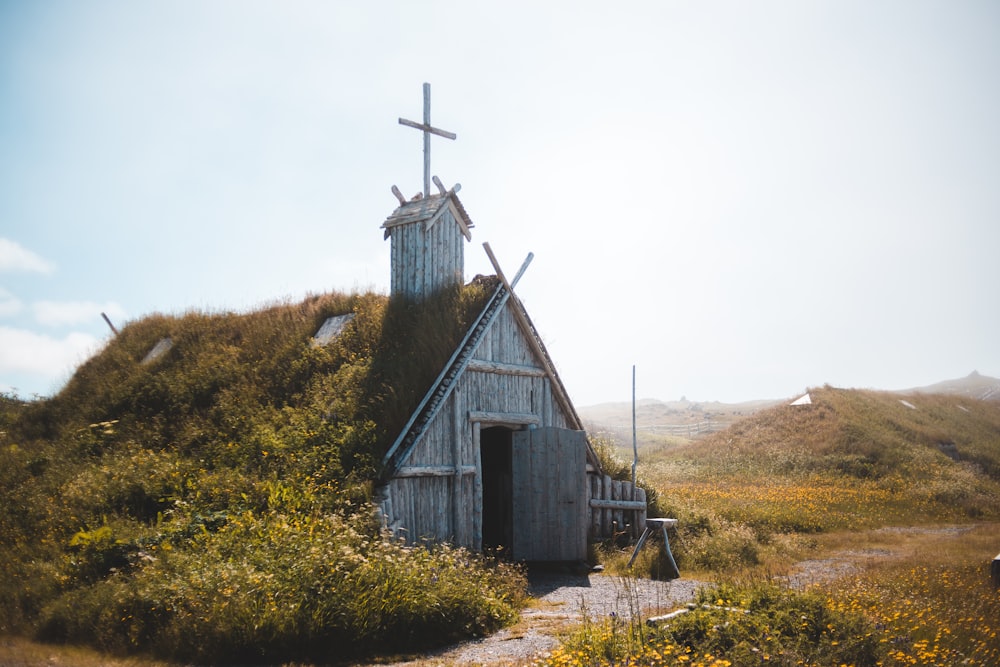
<point>935,607</point>
<point>280,586</point>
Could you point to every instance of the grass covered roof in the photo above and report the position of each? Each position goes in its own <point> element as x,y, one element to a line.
<point>258,383</point>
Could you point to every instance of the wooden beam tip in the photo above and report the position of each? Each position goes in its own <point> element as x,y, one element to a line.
<point>399,195</point>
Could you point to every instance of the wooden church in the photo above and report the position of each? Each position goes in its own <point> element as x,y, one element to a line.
<point>495,456</point>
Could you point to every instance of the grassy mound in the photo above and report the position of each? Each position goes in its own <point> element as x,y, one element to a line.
<point>211,504</point>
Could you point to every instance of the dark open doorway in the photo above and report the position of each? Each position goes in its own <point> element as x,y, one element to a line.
<point>496,457</point>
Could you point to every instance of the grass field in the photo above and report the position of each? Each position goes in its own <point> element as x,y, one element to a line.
<point>890,511</point>
<point>924,592</point>
<point>933,605</point>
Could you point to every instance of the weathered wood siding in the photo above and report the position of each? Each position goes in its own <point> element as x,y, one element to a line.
<point>426,259</point>
<point>616,508</point>
<point>437,494</point>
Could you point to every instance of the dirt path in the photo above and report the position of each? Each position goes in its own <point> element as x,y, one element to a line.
<point>562,600</point>
<point>879,545</point>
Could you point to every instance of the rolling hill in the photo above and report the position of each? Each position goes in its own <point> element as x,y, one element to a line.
<point>973,385</point>
<point>657,420</point>
<point>850,459</point>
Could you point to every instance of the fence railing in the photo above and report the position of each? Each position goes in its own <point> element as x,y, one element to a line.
<point>616,507</point>
<point>684,430</point>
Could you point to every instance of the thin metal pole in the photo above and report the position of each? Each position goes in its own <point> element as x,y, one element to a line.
<point>427,140</point>
<point>635,445</point>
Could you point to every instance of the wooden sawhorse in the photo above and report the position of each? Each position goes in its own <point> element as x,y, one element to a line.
<point>661,525</point>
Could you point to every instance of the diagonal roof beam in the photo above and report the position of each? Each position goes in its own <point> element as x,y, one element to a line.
<point>530,334</point>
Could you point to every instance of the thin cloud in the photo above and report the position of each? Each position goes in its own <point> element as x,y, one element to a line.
<point>15,258</point>
<point>69,313</point>
<point>24,351</point>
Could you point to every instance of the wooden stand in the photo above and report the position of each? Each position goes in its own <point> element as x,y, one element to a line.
<point>661,525</point>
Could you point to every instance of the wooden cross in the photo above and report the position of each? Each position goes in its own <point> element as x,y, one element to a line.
<point>428,130</point>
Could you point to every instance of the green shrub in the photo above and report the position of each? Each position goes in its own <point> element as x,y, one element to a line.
<point>285,586</point>
<point>749,624</point>
<point>764,622</point>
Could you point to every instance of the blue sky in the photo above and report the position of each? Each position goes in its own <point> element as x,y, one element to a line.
<point>741,199</point>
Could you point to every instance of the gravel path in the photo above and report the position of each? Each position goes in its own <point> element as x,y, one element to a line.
<point>560,602</point>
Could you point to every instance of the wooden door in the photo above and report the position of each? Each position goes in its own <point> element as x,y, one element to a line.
<point>549,467</point>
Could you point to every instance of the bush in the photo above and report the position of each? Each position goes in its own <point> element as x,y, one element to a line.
<point>748,624</point>
<point>284,586</point>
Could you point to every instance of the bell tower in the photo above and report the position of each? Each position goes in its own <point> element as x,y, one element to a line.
<point>427,237</point>
<point>428,232</point>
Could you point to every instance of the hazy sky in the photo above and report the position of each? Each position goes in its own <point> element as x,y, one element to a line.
<point>742,199</point>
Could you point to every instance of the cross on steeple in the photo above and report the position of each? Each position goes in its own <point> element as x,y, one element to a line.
<point>428,130</point>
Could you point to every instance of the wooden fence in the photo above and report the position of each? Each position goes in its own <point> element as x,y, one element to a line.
<point>689,430</point>
<point>616,508</point>
<point>624,434</point>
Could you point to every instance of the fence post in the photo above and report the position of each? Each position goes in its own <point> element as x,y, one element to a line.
<point>617,516</point>
<point>995,571</point>
<point>606,515</point>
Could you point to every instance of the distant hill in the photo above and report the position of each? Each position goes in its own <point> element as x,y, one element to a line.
<point>973,385</point>
<point>681,418</point>
<point>850,458</point>
<point>657,419</point>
